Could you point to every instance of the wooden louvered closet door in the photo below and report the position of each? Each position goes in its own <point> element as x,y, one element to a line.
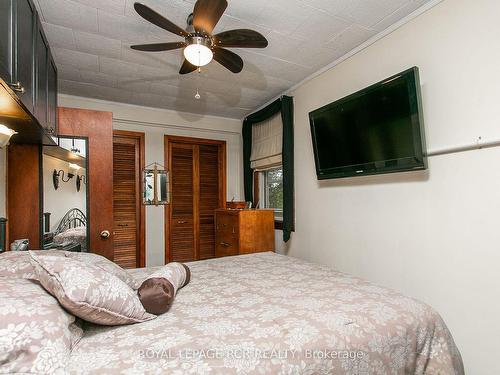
<point>198,187</point>
<point>127,200</point>
<point>208,199</point>
<point>182,206</point>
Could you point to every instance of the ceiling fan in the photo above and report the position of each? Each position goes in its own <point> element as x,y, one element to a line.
<point>200,46</point>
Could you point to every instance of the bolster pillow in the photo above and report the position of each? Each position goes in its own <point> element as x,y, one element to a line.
<point>158,291</point>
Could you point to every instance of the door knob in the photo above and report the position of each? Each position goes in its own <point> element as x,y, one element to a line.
<point>105,234</point>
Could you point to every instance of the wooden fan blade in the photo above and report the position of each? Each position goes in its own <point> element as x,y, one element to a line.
<point>158,47</point>
<point>228,59</point>
<point>207,13</point>
<point>241,38</point>
<point>155,18</point>
<point>187,67</point>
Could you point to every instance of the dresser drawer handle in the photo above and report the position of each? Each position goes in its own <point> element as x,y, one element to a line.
<point>182,222</point>
<point>123,225</point>
<point>225,244</point>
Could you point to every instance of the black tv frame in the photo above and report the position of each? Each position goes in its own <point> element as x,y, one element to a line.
<point>416,162</point>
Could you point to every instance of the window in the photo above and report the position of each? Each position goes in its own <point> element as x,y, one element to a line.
<point>270,191</point>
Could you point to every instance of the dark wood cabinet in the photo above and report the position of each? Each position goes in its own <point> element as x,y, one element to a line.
<point>24,52</point>
<point>28,69</point>
<point>6,12</point>
<point>51,96</point>
<point>41,57</point>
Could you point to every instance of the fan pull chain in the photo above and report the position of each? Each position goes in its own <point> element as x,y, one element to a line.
<point>198,96</point>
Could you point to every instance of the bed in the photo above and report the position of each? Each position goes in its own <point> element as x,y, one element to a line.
<point>271,314</point>
<point>72,229</point>
<point>250,314</point>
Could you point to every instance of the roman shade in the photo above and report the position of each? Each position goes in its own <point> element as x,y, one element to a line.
<point>267,143</point>
<point>282,107</point>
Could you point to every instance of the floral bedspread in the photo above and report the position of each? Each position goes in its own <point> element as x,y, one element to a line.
<point>272,314</point>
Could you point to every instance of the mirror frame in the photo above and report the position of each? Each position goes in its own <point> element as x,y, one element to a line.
<point>156,201</point>
<point>87,190</point>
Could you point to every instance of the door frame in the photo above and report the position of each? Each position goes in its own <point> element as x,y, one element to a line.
<point>140,136</point>
<point>168,140</point>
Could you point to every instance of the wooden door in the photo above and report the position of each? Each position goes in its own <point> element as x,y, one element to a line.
<point>198,187</point>
<point>97,127</point>
<point>208,198</point>
<point>128,211</point>
<point>182,221</point>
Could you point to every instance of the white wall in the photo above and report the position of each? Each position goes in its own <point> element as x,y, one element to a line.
<point>156,123</point>
<point>59,202</point>
<point>432,235</point>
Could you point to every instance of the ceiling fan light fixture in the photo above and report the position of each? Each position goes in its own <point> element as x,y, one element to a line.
<point>198,51</point>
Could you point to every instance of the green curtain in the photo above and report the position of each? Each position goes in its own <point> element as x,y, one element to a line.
<point>285,106</point>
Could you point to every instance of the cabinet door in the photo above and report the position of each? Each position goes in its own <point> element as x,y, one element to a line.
<point>52,96</point>
<point>6,40</point>
<point>24,49</point>
<point>41,57</point>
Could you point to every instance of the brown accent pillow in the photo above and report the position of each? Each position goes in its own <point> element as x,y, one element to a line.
<point>88,291</point>
<point>157,292</point>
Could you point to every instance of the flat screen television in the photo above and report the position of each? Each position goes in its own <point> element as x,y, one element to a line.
<point>376,130</point>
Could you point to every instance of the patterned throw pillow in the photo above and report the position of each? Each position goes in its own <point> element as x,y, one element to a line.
<point>36,333</point>
<point>88,291</point>
<point>106,265</point>
<point>18,264</point>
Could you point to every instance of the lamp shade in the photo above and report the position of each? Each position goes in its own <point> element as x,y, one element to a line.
<point>5,134</point>
<point>74,167</point>
<point>198,54</point>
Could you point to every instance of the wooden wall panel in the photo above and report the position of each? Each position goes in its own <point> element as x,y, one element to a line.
<point>98,128</point>
<point>23,194</point>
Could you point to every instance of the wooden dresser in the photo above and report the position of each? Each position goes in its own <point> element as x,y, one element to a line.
<point>243,231</point>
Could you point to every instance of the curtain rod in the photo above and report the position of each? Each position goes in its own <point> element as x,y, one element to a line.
<point>469,147</point>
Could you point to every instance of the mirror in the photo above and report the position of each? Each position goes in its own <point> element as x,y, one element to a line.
<point>65,195</point>
<point>156,186</point>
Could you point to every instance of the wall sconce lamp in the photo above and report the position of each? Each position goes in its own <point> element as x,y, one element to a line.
<point>79,180</point>
<point>5,134</point>
<point>56,175</point>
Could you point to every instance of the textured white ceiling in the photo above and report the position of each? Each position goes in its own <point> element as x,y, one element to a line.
<point>90,40</point>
